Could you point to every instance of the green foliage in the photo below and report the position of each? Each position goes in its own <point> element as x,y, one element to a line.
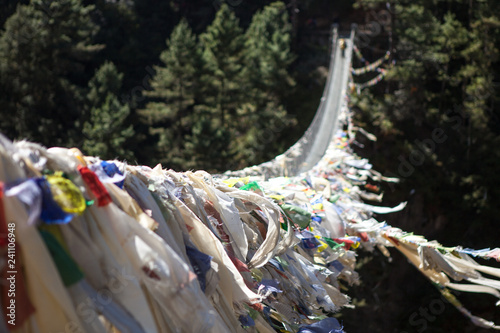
<point>175,92</point>
<point>195,95</point>
<point>444,78</point>
<point>212,102</point>
<point>207,145</point>
<point>267,84</point>
<point>262,118</point>
<point>262,133</point>
<point>218,98</point>
<point>223,45</point>
<point>43,53</point>
<point>268,55</point>
<point>106,132</point>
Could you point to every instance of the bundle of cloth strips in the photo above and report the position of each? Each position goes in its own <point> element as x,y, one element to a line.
<point>101,246</point>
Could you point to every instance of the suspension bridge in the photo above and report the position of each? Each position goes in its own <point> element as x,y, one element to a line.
<point>144,249</point>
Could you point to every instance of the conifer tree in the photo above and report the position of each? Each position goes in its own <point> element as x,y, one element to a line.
<point>175,92</point>
<point>268,52</point>
<point>263,118</point>
<point>208,145</point>
<point>223,51</point>
<point>106,132</point>
<point>43,53</point>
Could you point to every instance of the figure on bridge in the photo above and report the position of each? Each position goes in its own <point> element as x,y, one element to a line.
<point>342,46</point>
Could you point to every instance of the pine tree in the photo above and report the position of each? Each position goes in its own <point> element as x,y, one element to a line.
<point>175,92</point>
<point>268,52</point>
<point>134,32</point>
<point>43,53</point>
<point>223,51</point>
<point>267,83</point>
<point>106,132</point>
<point>260,133</point>
<point>205,108</point>
<point>210,143</point>
<point>206,147</point>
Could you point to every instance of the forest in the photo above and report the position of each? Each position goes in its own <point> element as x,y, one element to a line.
<point>188,84</point>
<point>218,85</point>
